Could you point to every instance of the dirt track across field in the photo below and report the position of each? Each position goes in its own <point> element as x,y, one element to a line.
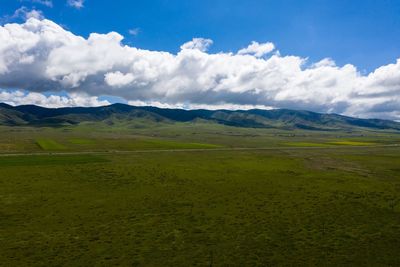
<point>190,150</point>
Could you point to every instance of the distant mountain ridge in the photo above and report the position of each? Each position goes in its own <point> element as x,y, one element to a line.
<point>31,115</point>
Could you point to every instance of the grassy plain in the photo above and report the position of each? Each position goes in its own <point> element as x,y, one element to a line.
<point>49,144</point>
<point>177,196</point>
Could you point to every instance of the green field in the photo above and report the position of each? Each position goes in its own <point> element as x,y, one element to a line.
<point>353,143</point>
<point>198,195</point>
<point>49,144</point>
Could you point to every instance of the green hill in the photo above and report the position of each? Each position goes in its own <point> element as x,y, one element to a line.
<point>278,118</point>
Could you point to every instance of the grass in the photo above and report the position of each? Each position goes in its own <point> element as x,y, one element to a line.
<point>138,143</point>
<point>177,145</point>
<point>352,143</point>
<point>191,208</point>
<point>306,144</point>
<point>281,207</point>
<point>82,141</point>
<point>331,143</point>
<point>49,144</point>
<point>35,160</point>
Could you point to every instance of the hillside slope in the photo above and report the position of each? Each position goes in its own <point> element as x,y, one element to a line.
<point>278,118</point>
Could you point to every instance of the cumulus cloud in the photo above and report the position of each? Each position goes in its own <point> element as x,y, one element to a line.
<point>78,4</point>
<point>198,44</point>
<point>41,56</point>
<point>257,49</point>
<point>118,79</point>
<point>188,106</point>
<point>37,14</point>
<point>25,13</point>
<point>20,97</point>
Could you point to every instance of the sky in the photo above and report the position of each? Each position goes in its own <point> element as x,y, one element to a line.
<point>320,55</point>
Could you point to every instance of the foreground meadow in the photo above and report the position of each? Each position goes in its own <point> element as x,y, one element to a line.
<point>296,206</point>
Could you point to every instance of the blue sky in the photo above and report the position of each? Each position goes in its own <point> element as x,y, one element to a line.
<point>333,56</point>
<point>365,33</point>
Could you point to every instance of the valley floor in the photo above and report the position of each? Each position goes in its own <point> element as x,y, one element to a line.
<point>228,198</point>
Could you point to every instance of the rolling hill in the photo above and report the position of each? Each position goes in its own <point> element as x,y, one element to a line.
<point>31,115</point>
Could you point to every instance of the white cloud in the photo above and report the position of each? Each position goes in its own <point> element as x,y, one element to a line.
<point>189,106</point>
<point>40,56</point>
<point>326,62</point>
<point>25,13</point>
<point>19,97</point>
<point>78,4</point>
<point>257,49</point>
<point>134,31</point>
<point>198,44</point>
<point>37,14</point>
<point>118,79</point>
<point>48,3</point>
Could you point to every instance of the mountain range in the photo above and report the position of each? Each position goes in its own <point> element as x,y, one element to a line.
<point>31,115</point>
